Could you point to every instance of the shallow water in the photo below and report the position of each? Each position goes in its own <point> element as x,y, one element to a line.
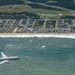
<point>39,56</point>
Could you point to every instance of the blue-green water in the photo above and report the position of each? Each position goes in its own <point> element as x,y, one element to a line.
<point>39,56</point>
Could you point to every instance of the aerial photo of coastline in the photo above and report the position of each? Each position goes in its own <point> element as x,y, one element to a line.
<point>37,37</point>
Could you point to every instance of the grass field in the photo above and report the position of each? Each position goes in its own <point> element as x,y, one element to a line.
<point>25,7</point>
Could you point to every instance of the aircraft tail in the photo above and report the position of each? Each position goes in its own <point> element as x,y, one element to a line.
<point>3,55</point>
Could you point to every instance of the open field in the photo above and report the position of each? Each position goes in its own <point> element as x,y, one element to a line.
<point>39,8</point>
<point>24,8</point>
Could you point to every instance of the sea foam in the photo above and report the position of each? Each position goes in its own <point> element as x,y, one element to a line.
<point>39,35</point>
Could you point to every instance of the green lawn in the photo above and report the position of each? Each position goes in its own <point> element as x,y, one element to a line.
<point>14,8</point>
<point>20,8</point>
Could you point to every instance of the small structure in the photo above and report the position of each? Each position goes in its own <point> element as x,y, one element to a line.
<point>60,15</point>
<point>73,28</point>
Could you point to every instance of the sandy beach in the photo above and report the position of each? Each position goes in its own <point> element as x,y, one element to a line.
<point>54,35</point>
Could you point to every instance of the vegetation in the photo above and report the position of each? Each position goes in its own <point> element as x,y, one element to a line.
<point>19,15</point>
<point>64,3</point>
<point>38,6</point>
<point>35,8</point>
<point>9,2</point>
<point>42,1</point>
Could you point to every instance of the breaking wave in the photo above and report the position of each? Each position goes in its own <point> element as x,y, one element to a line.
<point>39,35</point>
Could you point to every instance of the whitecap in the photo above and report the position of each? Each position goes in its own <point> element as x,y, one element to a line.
<point>66,46</point>
<point>13,46</point>
<point>9,46</point>
<point>30,40</point>
<point>39,35</point>
<point>43,47</point>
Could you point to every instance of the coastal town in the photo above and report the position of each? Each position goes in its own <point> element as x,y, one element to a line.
<point>37,37</point>
<point>37,25</point>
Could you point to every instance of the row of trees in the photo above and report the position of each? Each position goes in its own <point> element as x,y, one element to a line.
<point>42,1</point>
<point>9,2</point>
<point>63,3</point>
<point>19,15</point>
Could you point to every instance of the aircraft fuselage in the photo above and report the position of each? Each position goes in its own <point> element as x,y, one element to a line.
<point>9,58</point>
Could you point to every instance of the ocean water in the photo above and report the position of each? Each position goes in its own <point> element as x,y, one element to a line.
<point>39,56</point>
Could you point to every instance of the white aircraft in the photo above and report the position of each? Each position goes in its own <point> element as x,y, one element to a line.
<point>5,59</point>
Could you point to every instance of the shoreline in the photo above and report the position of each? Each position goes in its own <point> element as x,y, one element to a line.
<point>44,35</point>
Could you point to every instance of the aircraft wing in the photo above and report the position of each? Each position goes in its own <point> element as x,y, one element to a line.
<point>5,61</point>
<point>3,55</point>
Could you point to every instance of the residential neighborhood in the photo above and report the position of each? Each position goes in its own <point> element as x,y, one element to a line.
<point>37,25</point>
